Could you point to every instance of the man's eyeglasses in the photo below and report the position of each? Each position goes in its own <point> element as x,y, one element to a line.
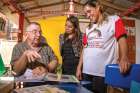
<point>35,31</point>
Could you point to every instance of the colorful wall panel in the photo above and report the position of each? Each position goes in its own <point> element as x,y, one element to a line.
<point>52,28</point>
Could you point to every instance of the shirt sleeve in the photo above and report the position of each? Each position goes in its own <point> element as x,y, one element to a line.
<point>16,53</point>
<point>119,29</point>
<point>84,39</point>
<point>51,54</point>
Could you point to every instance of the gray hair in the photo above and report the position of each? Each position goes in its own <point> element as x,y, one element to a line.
<point>32,23</point>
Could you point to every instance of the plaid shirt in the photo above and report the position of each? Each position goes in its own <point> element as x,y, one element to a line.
<point>77,46</point>
<point>47,54</point>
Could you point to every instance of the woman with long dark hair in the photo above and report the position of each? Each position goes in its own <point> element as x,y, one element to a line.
<point>70,45</point>
<point>100,40</point>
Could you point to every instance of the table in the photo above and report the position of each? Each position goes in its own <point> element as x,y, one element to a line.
<point>70,87</point>
<point>6,86</point>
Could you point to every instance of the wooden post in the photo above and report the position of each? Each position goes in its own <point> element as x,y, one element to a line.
<point>21,24</point>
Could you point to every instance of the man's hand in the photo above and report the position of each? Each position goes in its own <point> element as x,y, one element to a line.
<point>124,65</point>
<point>21,63</point>
<point>40,71</point>
<point>31,55</point>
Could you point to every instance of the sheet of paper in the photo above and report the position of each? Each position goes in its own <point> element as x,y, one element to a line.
<point>64,78</point>
<point>41,89</point>
<point>29,77</point>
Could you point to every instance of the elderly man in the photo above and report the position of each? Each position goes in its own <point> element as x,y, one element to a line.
<point>33,53</point>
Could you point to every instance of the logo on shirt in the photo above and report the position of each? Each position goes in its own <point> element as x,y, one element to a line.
<point>95,39</point>
<point>96,33</point>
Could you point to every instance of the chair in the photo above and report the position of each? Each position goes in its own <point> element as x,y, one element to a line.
<point>135,87</point>
<point>114,78</point>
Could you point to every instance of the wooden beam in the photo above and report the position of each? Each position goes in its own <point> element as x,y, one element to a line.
<point>23,1</point>
<point>134,1</point>
<point>108,4</point>
<point>111,5</point>
<point>27,19</point>
<point>40,13</point>
<point>64,5</point>
<point>77,1</point>
<point>36,15</point>
<point>46,5</point>
<point>39,16</point>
